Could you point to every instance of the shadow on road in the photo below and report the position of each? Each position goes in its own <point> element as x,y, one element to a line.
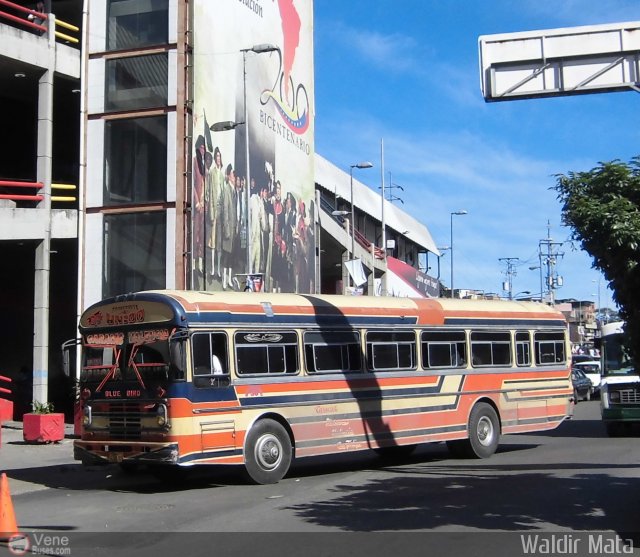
<point>486,497</point>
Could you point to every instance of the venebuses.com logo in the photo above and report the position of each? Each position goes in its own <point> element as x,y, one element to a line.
<point>39,544</point>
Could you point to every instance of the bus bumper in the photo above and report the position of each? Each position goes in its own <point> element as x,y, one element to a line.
<point>621,414</point>
<point>106,452</point>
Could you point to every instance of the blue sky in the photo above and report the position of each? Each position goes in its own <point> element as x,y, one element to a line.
<point>406,71</point>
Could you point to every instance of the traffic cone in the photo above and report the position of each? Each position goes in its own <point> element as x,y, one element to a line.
<point>8,525</point>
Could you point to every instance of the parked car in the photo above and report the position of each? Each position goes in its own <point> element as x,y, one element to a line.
<point>591,368</point>
<point>582,386</point>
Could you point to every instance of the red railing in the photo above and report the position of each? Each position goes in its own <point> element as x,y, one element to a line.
<point>24,21</point>
<point>366,244</point>
<point>9,184</point>
<point>21,197</point>
<point>33,16</point>
<point>6,406</point>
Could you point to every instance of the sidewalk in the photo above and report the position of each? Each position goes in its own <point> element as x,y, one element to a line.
<point>26,463</point>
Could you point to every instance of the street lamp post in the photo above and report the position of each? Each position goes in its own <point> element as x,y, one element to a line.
<point>364,164</point>
<point>461,212</point>
<point>230,125</point>
<point>442,251</point>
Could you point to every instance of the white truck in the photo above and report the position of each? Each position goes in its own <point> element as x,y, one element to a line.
<point>620,383</point>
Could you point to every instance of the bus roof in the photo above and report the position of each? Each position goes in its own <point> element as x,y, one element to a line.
<point>193,308</point>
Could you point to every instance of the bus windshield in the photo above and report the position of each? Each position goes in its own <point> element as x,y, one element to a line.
<point>141,356</point>
<point>615,356</point>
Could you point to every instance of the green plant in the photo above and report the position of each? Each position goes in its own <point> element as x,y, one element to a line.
<point>42,407</point>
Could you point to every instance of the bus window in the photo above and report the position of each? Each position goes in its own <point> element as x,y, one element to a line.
<point>549,347</point>
<point>490,348</point>
<point>332,352</point>
<point>100,361</point>
<point>523,348</point>
<point>210,362</point>
<point>442,349</point>
<point>258,352</point>
<point>391,351</point>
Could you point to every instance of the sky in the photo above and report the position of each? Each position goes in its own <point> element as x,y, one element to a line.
<point>407,72</point>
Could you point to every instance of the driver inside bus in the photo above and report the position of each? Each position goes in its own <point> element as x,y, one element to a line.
<point>216,366</point>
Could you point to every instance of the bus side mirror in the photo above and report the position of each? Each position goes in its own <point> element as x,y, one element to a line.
<point>177,357</point>
<point>69,356</point>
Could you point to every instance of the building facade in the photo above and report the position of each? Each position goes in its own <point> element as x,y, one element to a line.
<point>185,130</point>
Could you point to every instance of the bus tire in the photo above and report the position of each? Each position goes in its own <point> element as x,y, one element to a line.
<point>267,452</point>
<point>484,434</point>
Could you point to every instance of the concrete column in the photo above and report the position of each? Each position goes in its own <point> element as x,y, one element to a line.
<point>43,250</point>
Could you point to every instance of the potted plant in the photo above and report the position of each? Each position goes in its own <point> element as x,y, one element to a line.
<point>42,425</point>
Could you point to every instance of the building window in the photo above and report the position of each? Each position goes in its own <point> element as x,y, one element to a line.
<point>134,252</point>
<point>136,82</point>
<point>135,161</point>
<point>137,23</point>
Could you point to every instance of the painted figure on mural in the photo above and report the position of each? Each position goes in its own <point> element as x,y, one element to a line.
<point>215,183</point>
<point>259,229</point>
<point>290,222</point>
<point>301,250</point>
<point>227,228</point>
<point>197,202</point>
<point>239,246</point>
<point>277,248</point>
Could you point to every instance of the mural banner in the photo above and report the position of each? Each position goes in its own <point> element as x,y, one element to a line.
<point>252,199</point>
<point>405,281</point>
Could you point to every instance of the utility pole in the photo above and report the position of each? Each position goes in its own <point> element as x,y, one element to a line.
<point>510,273</point>
<point>549,253</point>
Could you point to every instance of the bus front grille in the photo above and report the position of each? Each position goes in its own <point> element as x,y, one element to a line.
<point>125,421</point>
<point>630,396</point>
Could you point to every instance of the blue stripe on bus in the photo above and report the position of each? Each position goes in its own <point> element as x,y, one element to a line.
<point>196,394</point>
<point>333,320</point>
<point>348,395</point>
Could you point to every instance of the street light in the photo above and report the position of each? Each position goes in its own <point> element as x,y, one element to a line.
<point>364,164</point>
<point>230,125</point>
<point>461,212</point>
<point>442,251</point>
<point>536,267</point>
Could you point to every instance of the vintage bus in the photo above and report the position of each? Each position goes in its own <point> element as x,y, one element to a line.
<point>177,378</point>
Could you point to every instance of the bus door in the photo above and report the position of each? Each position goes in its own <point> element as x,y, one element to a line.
<point>211,380</point>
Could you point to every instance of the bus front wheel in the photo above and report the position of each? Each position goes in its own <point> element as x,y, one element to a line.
<point>268,452</point>
<point>484,434</point>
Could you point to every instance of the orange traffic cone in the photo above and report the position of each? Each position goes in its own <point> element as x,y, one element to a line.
<point>8,525</point>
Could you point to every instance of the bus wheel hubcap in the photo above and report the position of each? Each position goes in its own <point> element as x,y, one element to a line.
<point>268,451</point>
<point>485,431</point>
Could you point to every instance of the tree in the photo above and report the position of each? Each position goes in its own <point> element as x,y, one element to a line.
<point>602,207</point>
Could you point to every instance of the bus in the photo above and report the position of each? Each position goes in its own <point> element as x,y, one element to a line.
<point>620,383</point>
<point>179,378</point>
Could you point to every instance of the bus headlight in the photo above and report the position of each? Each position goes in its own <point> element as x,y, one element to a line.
<point>614,396</point>
<point>86,416</point>
<point>161,413</point>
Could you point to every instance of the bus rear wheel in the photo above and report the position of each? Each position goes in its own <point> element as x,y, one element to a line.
<point>268,452</point>
<point>484,434</point>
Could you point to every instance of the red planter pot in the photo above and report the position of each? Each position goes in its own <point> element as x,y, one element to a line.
<point>43,428</point>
